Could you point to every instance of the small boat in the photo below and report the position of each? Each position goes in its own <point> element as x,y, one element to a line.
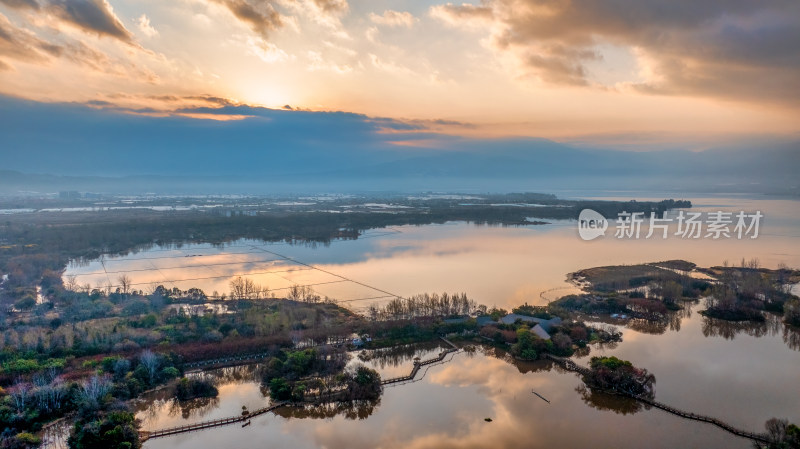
<point>540,396</point>
<point>246,424</point>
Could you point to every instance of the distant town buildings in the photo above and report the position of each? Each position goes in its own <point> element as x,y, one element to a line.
<point>69,194</point>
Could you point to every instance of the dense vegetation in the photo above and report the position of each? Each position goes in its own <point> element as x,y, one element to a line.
<point>782,435</point>
<point>195,388</point>
<point>115,428</point>
<point>650,291</point>
<point>319,375</point>
<point>744,291</point>
<point>62,358</point>
<point>425,305</point>
<point>613,374</point>
<point>97,399</point>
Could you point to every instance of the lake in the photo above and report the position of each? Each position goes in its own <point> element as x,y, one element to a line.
<point>496,266</point>
<point>741,374</point>
<point>696,369</point>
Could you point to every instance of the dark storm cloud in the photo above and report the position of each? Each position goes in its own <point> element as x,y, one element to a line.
<point>23,45</point>
<point>93,16</point>
<point>739,49</point>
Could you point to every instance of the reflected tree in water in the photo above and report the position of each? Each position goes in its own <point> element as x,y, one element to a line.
<point>600,400</point>
<point>582,352</point>
<point>771,326</point>
<point>791,336</point>
<point>400,355</point>
<point>728,330</point>
<point>353,410</point>
<point>193,408</point>
<point>652,327</point>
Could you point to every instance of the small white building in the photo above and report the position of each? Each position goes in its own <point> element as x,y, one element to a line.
<point>357,341</point>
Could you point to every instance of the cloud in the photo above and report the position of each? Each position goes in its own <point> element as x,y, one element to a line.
<point>372,34</point>
<point>21,4</point>
<point>335,7</point>
<point>144,26</point>
<point>464,14</point>
<point>23,45</point>
<point>4,66</point>
<point>267,51</point>
<point>318,62</point>
<point>93,16</point>
<point>327,13</point>
<point>736,49</point>
<point>260,16</point>
<point>393,19</point>
<point>212,100</point>
<point>389,66</point>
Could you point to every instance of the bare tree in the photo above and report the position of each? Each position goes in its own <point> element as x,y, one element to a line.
<point>243,288</point>
<point>373,312</point>
<point>237,288</point>
<point>294,292</point>
<point>57,392</point>
<point>776,431</point>
<point>72,282</point>
<point>20,395</point>
<point>94,389</point>
<point>150,361</point>
<point>125,283</point>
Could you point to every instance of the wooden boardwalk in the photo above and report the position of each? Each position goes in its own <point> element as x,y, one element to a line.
<point>145,435</point>
<point>243,359</point>
<point>420,363</point>
<point>196,366</point>
<point>762,438</point>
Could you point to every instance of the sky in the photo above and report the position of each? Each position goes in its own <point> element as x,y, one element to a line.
<point>629,74</point>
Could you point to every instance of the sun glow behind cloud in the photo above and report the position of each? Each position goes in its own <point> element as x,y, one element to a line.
<point>509,67</point>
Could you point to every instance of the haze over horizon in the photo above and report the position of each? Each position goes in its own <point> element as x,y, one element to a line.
<point>371,91</point>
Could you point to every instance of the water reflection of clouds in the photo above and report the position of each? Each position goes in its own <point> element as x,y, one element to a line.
<point>447,410</point>
<point>501,266</point>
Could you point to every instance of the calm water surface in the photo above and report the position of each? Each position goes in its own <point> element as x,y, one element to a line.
<point>741,374</point>
<point>502,266</point>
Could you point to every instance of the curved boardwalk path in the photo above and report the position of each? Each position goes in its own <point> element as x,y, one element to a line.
<point>145,435</point>
<point>572,366</point>
<point>420,363</point>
